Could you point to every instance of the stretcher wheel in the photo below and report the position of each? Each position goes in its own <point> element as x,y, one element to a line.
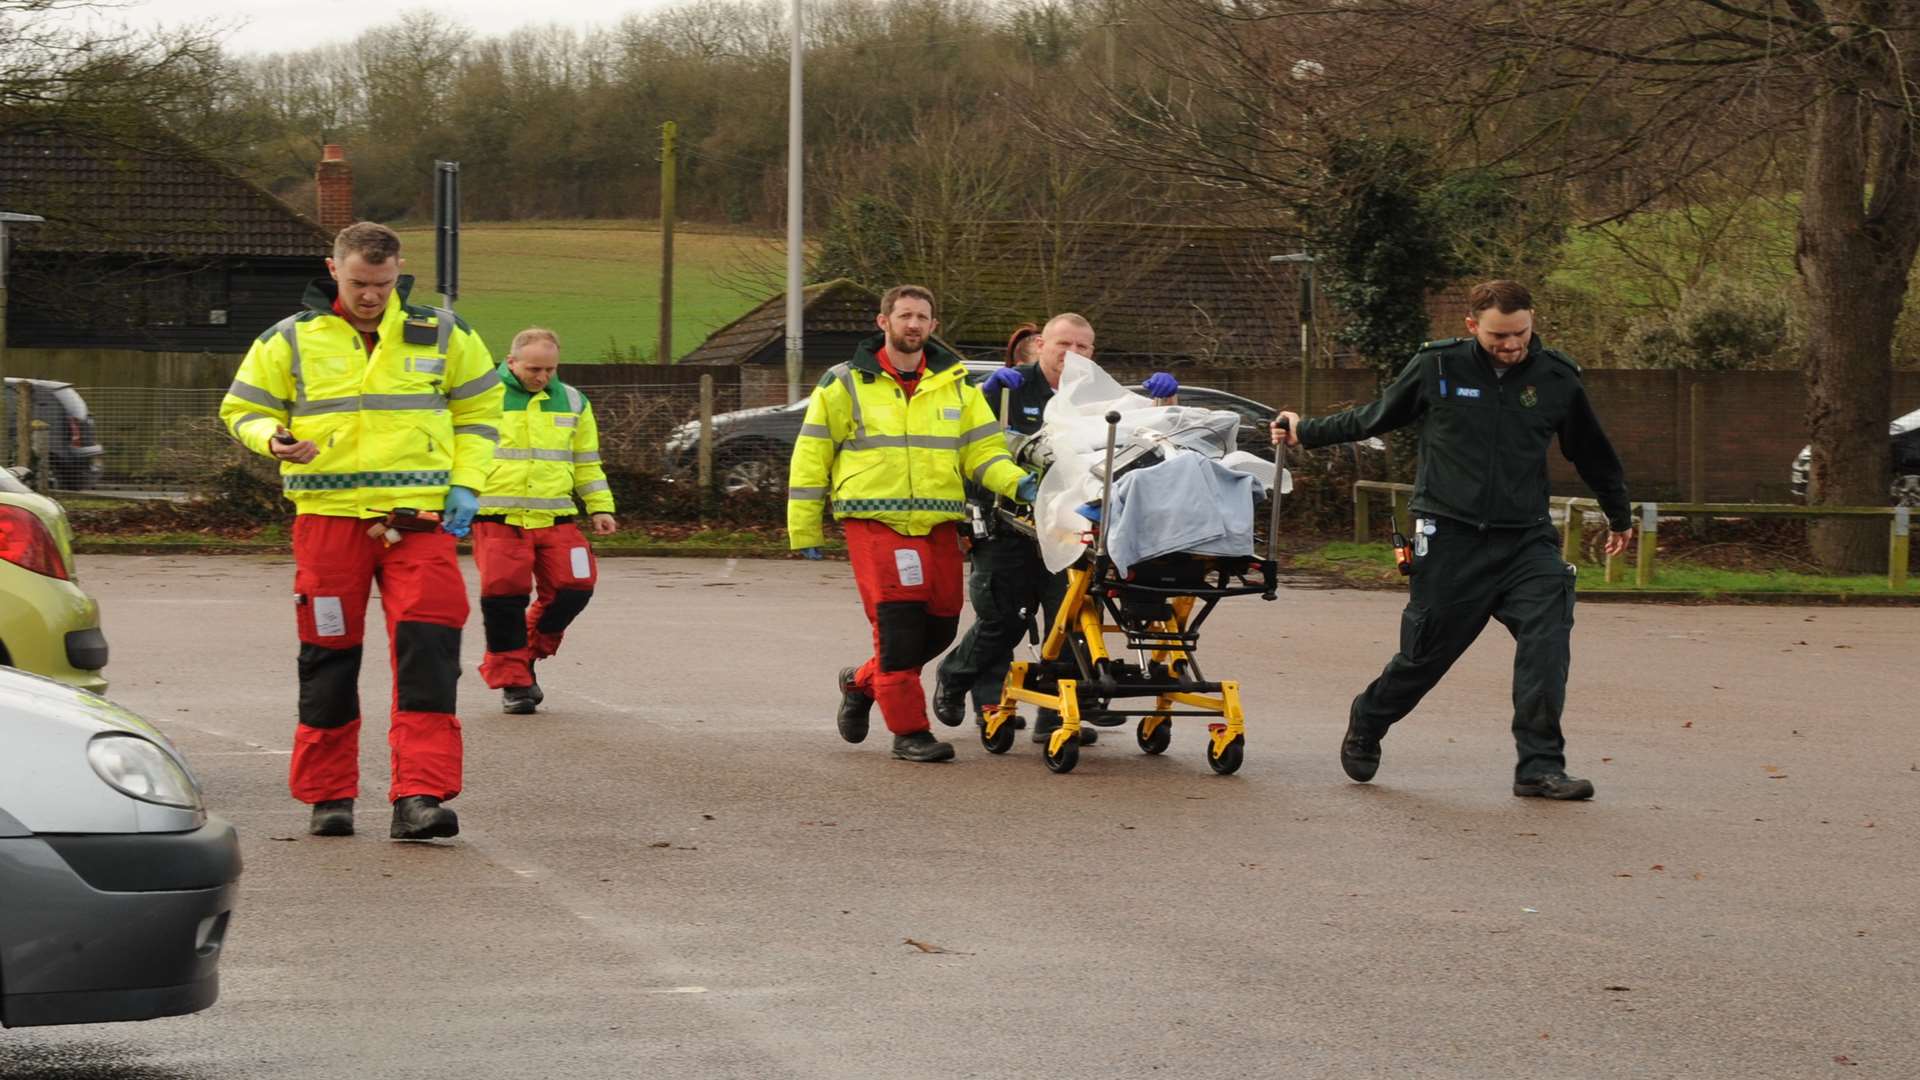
<point>1157,742</point>
<point>1000,741</point>
<point>1228,760</point>
<point>1066,759</point>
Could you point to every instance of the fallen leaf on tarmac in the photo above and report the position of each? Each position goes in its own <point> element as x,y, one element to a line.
<point>1544,1035</point>
<point>1606,760</point>
<point>1859,933</point>
<point>1126,826</point>
<point>1526,834</point>
<point>1799,643</point>
<point>1778,776</point>
<point>1618,989</point>
<point>1698,876</point>
<point>1621,873</point>
<point>1771,768</point>
<point>1842,1059</point>
<point>1866,824</point>
<point>1657,866</point>
<point>1687,724</point>
<point>930,947</point>
<point>285,839</point>
<point>661,843</point>
<point>706,817</point>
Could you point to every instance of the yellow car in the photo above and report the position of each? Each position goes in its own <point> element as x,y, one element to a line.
<point>47,624</point>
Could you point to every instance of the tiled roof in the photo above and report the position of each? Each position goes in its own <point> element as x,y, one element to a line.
<point>1196,292</point>
<point>839,306</point>
<point>100,197</point>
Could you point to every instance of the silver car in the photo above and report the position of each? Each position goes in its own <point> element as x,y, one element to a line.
<point>115,884</point>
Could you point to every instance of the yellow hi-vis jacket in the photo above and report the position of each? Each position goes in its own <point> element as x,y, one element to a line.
<point>877,454</point>
<point>395,428</point>
<point>549,452</point>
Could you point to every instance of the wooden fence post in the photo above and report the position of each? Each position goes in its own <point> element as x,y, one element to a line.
<point>705,474</point>
<point>1570,539</point>
<point>1649,529</point>
<point>1898,549</point>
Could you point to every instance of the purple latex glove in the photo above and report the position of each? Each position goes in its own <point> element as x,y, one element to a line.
<point>1003,378</point>
<point>1162,385</point>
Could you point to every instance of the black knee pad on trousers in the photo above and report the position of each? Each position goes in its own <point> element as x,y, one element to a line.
<point>505,621</point>
<point>566,604</point>
<point>427,665</point>
<point>903,634</point>
<point>329,686</point>
<point>941,630</point>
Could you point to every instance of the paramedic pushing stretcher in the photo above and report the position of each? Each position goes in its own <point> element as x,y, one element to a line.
<point>1485,545</point>
<point>889,439</point>
<point>1010,583</point>
<point>373,406</point>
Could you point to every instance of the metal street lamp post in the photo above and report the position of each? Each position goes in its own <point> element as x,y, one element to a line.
<point>1306,261</point>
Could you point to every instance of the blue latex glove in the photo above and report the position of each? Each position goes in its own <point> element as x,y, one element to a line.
<point>1162,385</point>
<point>1002,378</point>
<point>812,554</point>
<point>1029,488</point>
<point>456,517</point>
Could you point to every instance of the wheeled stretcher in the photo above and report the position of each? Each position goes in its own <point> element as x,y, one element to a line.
<point>1156,609</point>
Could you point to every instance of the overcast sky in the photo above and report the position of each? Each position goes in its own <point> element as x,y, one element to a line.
<point>280,25</point>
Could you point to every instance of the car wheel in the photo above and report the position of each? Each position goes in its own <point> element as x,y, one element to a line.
<point>1906,490</point>
<point>752,474</point>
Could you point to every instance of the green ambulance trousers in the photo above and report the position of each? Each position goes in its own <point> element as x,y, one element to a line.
<point>1466,577</point>
<point>1007,586</point>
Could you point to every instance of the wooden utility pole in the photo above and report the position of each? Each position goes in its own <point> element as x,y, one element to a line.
<point>663,354</point>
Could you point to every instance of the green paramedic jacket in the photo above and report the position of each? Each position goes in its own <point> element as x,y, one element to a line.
<point>873,453</point>
<point>549,452</point>
<point>1483,437</point>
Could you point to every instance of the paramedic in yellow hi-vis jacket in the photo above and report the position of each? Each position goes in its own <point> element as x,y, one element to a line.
<point>525,536</point>
<point>383,416</point>
<point>889,438</point>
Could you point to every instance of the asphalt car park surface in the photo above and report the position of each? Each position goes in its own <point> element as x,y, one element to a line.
<point>677,869</point>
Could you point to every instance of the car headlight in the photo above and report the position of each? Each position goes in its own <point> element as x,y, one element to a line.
<point>141,770</point>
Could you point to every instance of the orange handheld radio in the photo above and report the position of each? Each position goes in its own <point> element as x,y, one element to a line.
<point>404,519</point>
<point>1402,553</point>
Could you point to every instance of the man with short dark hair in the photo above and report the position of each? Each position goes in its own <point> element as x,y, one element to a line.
<point>383,416</point>
<point>1484,543</point>
<point>889,439</point>
<point>525,541</point>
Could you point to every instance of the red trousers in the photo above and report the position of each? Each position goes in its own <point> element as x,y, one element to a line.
<point>912,588</point>
<point>425,600</point>
<point>512,563</point>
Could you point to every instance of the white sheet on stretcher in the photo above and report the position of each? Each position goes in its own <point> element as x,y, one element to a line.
<point>1075,430</point>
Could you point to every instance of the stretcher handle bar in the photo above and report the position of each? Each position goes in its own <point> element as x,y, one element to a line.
<point>1279,476</point>
<point>1106,486</point>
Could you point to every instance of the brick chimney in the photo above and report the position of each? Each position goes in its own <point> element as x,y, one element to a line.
<point>333,188</point>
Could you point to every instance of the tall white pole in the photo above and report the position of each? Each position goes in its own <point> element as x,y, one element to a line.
<point>796,270</point>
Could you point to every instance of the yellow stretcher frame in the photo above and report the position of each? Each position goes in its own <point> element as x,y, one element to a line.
<point>1080,612</point>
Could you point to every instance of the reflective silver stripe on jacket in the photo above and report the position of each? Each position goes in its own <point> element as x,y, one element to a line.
<point>445,319</point>
<point>485,431</point>
<point>795,494</point>
<point>515,453</point>
<point>475,386</point>
<point>980,472</point>
<point>248,418</point>
<point>818,431</point>
<point>586,457</point>
<point>574,400</point>
<point>370,403</point>
<point>254,395</point>
<point>527,502</point>
<point>588,489</point>
<point>287,330</point>
<point>844,373</point>
<point>984,431</point>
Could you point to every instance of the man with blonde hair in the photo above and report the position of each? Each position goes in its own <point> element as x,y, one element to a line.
<point>525,537</point>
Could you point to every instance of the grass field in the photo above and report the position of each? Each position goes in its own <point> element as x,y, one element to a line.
<point>597,284</point>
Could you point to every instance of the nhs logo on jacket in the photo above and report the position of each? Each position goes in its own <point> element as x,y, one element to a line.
<point>1466,391</point>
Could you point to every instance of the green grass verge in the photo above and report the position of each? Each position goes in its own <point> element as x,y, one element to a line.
<point>596,284</point>
<point>1372,565</point>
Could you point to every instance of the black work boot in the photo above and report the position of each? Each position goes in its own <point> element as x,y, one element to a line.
<point>331,817</point>
<point>1359,753</point>
<point>921,746</point>
<point>949,704</point>
<point>519,700</point>
<point>1554,786</point>
<point>854,707</point>
<point>533,685</point>
<point>421,817</point>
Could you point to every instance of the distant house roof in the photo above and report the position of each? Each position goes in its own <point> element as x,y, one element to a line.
<point>1164,292</point>
<point>837,307</point>
<point>162,198</point>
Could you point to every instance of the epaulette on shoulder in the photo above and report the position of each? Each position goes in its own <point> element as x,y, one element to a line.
<point>826,380</point>
<point>1563,358</point>
<point>1442,343</point>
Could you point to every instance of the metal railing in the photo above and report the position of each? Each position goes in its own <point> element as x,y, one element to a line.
<point>1573,512</point>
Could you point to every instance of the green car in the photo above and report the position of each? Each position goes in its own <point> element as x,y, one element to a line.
<point>48,626</point>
